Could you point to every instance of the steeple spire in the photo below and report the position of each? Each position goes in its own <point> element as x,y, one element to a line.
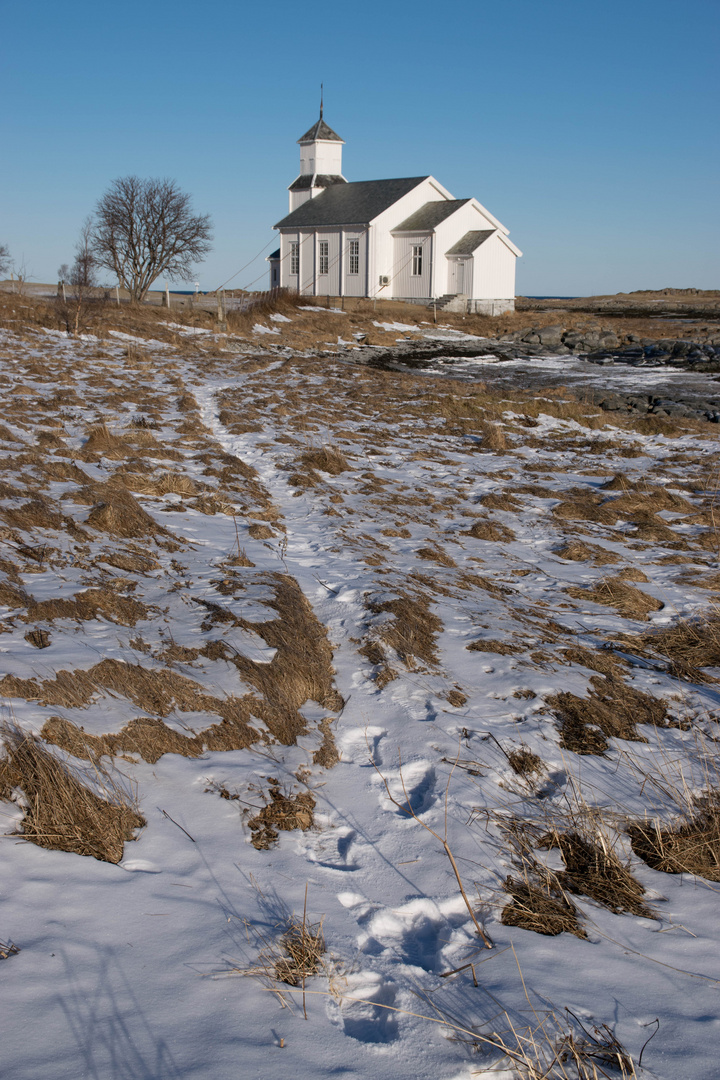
<point>321,101</point>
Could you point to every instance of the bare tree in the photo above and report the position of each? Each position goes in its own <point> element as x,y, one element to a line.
<point>145,228</point>
<point>82,278</point>
<point>5,260</point>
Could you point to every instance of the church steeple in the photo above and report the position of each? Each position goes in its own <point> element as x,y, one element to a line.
<point>320,161</point>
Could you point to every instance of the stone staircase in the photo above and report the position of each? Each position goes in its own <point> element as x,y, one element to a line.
<point>456,303</point>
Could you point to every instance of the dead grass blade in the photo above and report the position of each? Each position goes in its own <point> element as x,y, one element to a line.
<point>64,809</point>
<point>630,602</point>
<point>690,846</point>
<point>612,710</point>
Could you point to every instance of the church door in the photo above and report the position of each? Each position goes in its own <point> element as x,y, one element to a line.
<point>460,276</point>
<point>456,276</point>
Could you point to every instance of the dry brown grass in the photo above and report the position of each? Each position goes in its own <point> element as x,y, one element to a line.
<point>437,555</point>
<point>690,846</point>
<point>88,605</point>
<point>38,513</point>
<point>102,441</point>
<point>612,710</point>
<point>288,956</point>
<point>301,670</point>
<point>326,459</point>
<point>167,483</point>
<point>630,602</point>
<point>502,501</point>
<point>282,811</point>
<point>38,638</point>
<point>491,645</point>
<point>64,811</point>
<point>413,631</point>
<point>131,559</point>
<point>690,645</point>
<point>540,904</point>
<point>493,437</point>
<point>593,869</point>
<point>488,529</point>
<point>149,737</point>
<point>524,762</point>
<point>584,505</point>
<point>118,513</point>
<point>605,663</point>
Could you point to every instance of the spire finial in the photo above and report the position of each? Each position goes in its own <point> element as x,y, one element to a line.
<point>321,101</point>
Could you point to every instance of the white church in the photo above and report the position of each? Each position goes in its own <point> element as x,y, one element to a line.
<point>405,239</point>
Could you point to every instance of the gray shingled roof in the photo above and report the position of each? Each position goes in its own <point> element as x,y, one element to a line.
<point>357,203</point>
<point>273,255</point>
<point>470,241</point>
<point>430,215</point>
<point>307,180</point>
<point>320,130</point>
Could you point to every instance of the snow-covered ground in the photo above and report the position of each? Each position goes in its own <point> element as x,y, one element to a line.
<point>347,588</point>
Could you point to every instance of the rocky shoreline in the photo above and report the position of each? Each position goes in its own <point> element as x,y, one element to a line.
<point>602,348</point>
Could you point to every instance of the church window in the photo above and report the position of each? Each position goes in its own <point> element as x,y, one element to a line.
<point>294,257</point>
<point>417,260</point>
<point>354,261</point>
<point>324,256</point>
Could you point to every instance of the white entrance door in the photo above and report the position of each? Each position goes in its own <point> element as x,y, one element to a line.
<point>460,276</point>
<point>456,276</point>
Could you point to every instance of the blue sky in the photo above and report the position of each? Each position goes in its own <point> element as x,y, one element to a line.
<point>589,129</point>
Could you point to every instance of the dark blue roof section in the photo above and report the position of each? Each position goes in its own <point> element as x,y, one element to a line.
<point>431,214</point>
<point>307,180</point>
<point>357,203</point>
<point>320,130</point>
<point>470,242</point>
<point>273,255</point>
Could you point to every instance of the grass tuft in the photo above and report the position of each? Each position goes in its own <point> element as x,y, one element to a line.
<point>690,846</point>
<point>64,811</point>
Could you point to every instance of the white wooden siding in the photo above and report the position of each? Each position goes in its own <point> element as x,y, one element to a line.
<point>494,271</point>
<point>287,279</point>
<point>321,157</point>
<point>404,282</point>
<point>355,284</point>
<point>328,284</point>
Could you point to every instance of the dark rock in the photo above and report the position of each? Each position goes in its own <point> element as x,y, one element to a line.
<point>551,335</point>
<point>613,403</point>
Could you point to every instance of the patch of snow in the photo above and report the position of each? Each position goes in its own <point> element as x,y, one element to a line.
<point>319,307</point>
<point>396,326</point>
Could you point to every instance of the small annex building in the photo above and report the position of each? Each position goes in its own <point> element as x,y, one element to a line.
<point>404,239</point>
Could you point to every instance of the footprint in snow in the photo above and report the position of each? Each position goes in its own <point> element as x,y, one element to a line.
<point>363,1011</point>
<point>420,931</point>
<point>412,787</point>
<point>333,849</point>
<point>361,746</point>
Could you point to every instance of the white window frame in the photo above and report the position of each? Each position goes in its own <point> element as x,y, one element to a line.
<point>354,257</point>
<point>323,256</point>
<point>294,257</point>
<point>417,260</point>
